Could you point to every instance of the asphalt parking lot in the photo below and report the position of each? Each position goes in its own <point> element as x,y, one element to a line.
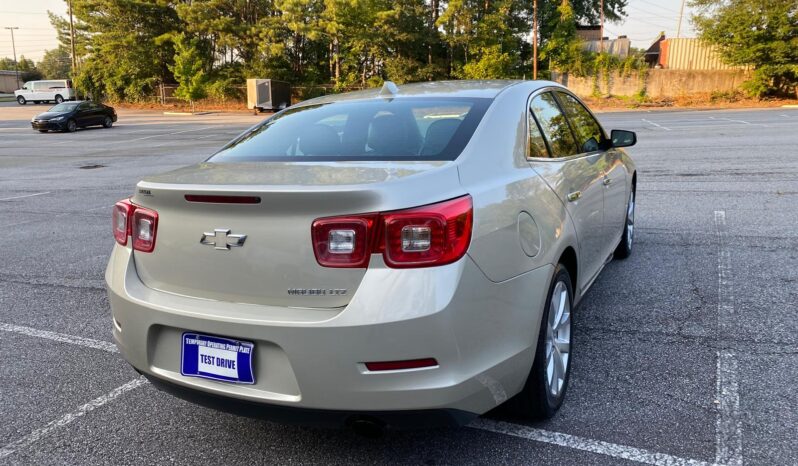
<point>686,353</point>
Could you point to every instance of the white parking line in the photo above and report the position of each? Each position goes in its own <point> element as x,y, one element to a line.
<point>515,430</point>
<point>38,434</point>
<point>26,195</point>
<point>62,337</point>
<point>728,426</point>
<point>655,124</point>
<point>50,218</point>
<point>584,444</point>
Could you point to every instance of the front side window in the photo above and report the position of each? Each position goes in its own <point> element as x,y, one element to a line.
<point>379,129</point>
<point>591,136</point>
<point>27,86</point>
<point>554,125</point>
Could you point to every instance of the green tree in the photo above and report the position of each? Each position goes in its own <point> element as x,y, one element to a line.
<point>125,55</point>
<point>26,67</point>
<point>564,48</point>
<point>56,64</point>
<point>188,70</point>
<point>491,64</point>
<point>755,33</point>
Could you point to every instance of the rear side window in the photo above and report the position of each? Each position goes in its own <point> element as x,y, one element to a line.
<point>379,129</point>
<point>537,145</point>
<point>554,125</point>
<point>591,136</point>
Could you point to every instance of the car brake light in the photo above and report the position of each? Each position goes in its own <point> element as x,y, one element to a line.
<point>121,221</point>
<point>437,234</point>
<point>343,241</point>
<point>140,223</point>
<point>426,236</point>
<point>143,229</point>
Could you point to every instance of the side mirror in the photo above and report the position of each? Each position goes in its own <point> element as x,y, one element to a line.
<point>623,138</point>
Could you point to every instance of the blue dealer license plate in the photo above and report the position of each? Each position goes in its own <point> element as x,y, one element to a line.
<point>217,358</point>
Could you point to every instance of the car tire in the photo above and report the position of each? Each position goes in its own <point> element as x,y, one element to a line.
<point>42,130</point>
<point>624,248</point>
<point>58,99</point>
<point>108,122</point>
<point>71,126</point>
<point>547,382</point>
<point>21,100</point>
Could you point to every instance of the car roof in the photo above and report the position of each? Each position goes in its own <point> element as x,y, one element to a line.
<point>464,88</point>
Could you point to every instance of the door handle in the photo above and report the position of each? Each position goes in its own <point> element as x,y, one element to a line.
<point>574,196</point>
<point>607,181</point>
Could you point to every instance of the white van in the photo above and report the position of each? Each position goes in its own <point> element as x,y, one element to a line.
<point>56,90</point>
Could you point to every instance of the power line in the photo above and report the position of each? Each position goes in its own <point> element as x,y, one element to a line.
<point>659,6</point>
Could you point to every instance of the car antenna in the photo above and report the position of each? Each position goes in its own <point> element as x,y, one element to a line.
<point>389,90</point>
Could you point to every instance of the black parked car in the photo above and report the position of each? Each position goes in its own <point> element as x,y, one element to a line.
<point>69,116</point>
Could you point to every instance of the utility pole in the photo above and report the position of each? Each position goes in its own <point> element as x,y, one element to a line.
<point>679,27</point>
<point>72,38</point>
<point>534,39</point>
<point>601,32</point>
<point>14,48</point>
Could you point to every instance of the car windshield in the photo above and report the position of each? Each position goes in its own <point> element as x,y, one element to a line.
<point>380,129</point>
<point>64,107</point>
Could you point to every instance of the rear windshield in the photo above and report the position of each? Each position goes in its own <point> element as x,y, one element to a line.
<point>380,129</point>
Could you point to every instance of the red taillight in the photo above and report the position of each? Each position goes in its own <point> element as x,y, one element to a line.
<point>437,234</point>
<point>143,229</point>
<point>426,236</point>
<point>137,222</point>
<point>121,221</point>
<point>401,365</point>
<point>343,241</point>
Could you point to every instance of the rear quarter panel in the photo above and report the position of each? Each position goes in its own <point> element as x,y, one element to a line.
<point>494,170</point>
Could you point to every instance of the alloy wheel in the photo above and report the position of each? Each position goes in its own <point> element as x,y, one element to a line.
<point>558,339</point>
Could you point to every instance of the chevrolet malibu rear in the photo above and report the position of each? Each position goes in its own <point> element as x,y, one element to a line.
<point>387,256</point>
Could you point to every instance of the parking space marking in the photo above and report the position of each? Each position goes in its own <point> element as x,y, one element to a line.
<point>516,430</point>
<point>62,337</point>
<point>655,124</point>
<point>728,426</point>
<point>38,434</point>
<point>584,444</point>
<point>26,195</point>
<point>50,218</point>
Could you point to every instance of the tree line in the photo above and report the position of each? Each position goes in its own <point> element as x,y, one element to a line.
<point>125,49</point>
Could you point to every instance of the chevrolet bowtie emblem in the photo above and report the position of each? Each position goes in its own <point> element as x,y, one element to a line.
<point>222,239</point>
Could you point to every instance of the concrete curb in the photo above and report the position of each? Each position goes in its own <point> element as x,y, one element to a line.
<point>188,113</point>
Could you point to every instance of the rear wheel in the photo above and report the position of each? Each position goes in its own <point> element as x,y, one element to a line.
<point>624,248</point>
<point>21,100</point>
<point>58,99</point>
<point>548,380</point>
<point>108,122</point>
<point>71,126</point>
<point>42,130</point>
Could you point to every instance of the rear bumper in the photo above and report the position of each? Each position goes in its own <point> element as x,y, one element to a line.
<point>400,420</point>
<point>308,363</point>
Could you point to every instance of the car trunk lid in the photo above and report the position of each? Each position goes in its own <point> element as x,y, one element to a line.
<point>200,250</point>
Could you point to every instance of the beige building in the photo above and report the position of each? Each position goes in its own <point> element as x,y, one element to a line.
<point>8,81</point>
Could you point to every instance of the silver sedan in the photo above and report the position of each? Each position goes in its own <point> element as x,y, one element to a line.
<point>400,256</point>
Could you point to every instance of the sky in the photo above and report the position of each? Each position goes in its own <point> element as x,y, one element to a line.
<point>646,18</point>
